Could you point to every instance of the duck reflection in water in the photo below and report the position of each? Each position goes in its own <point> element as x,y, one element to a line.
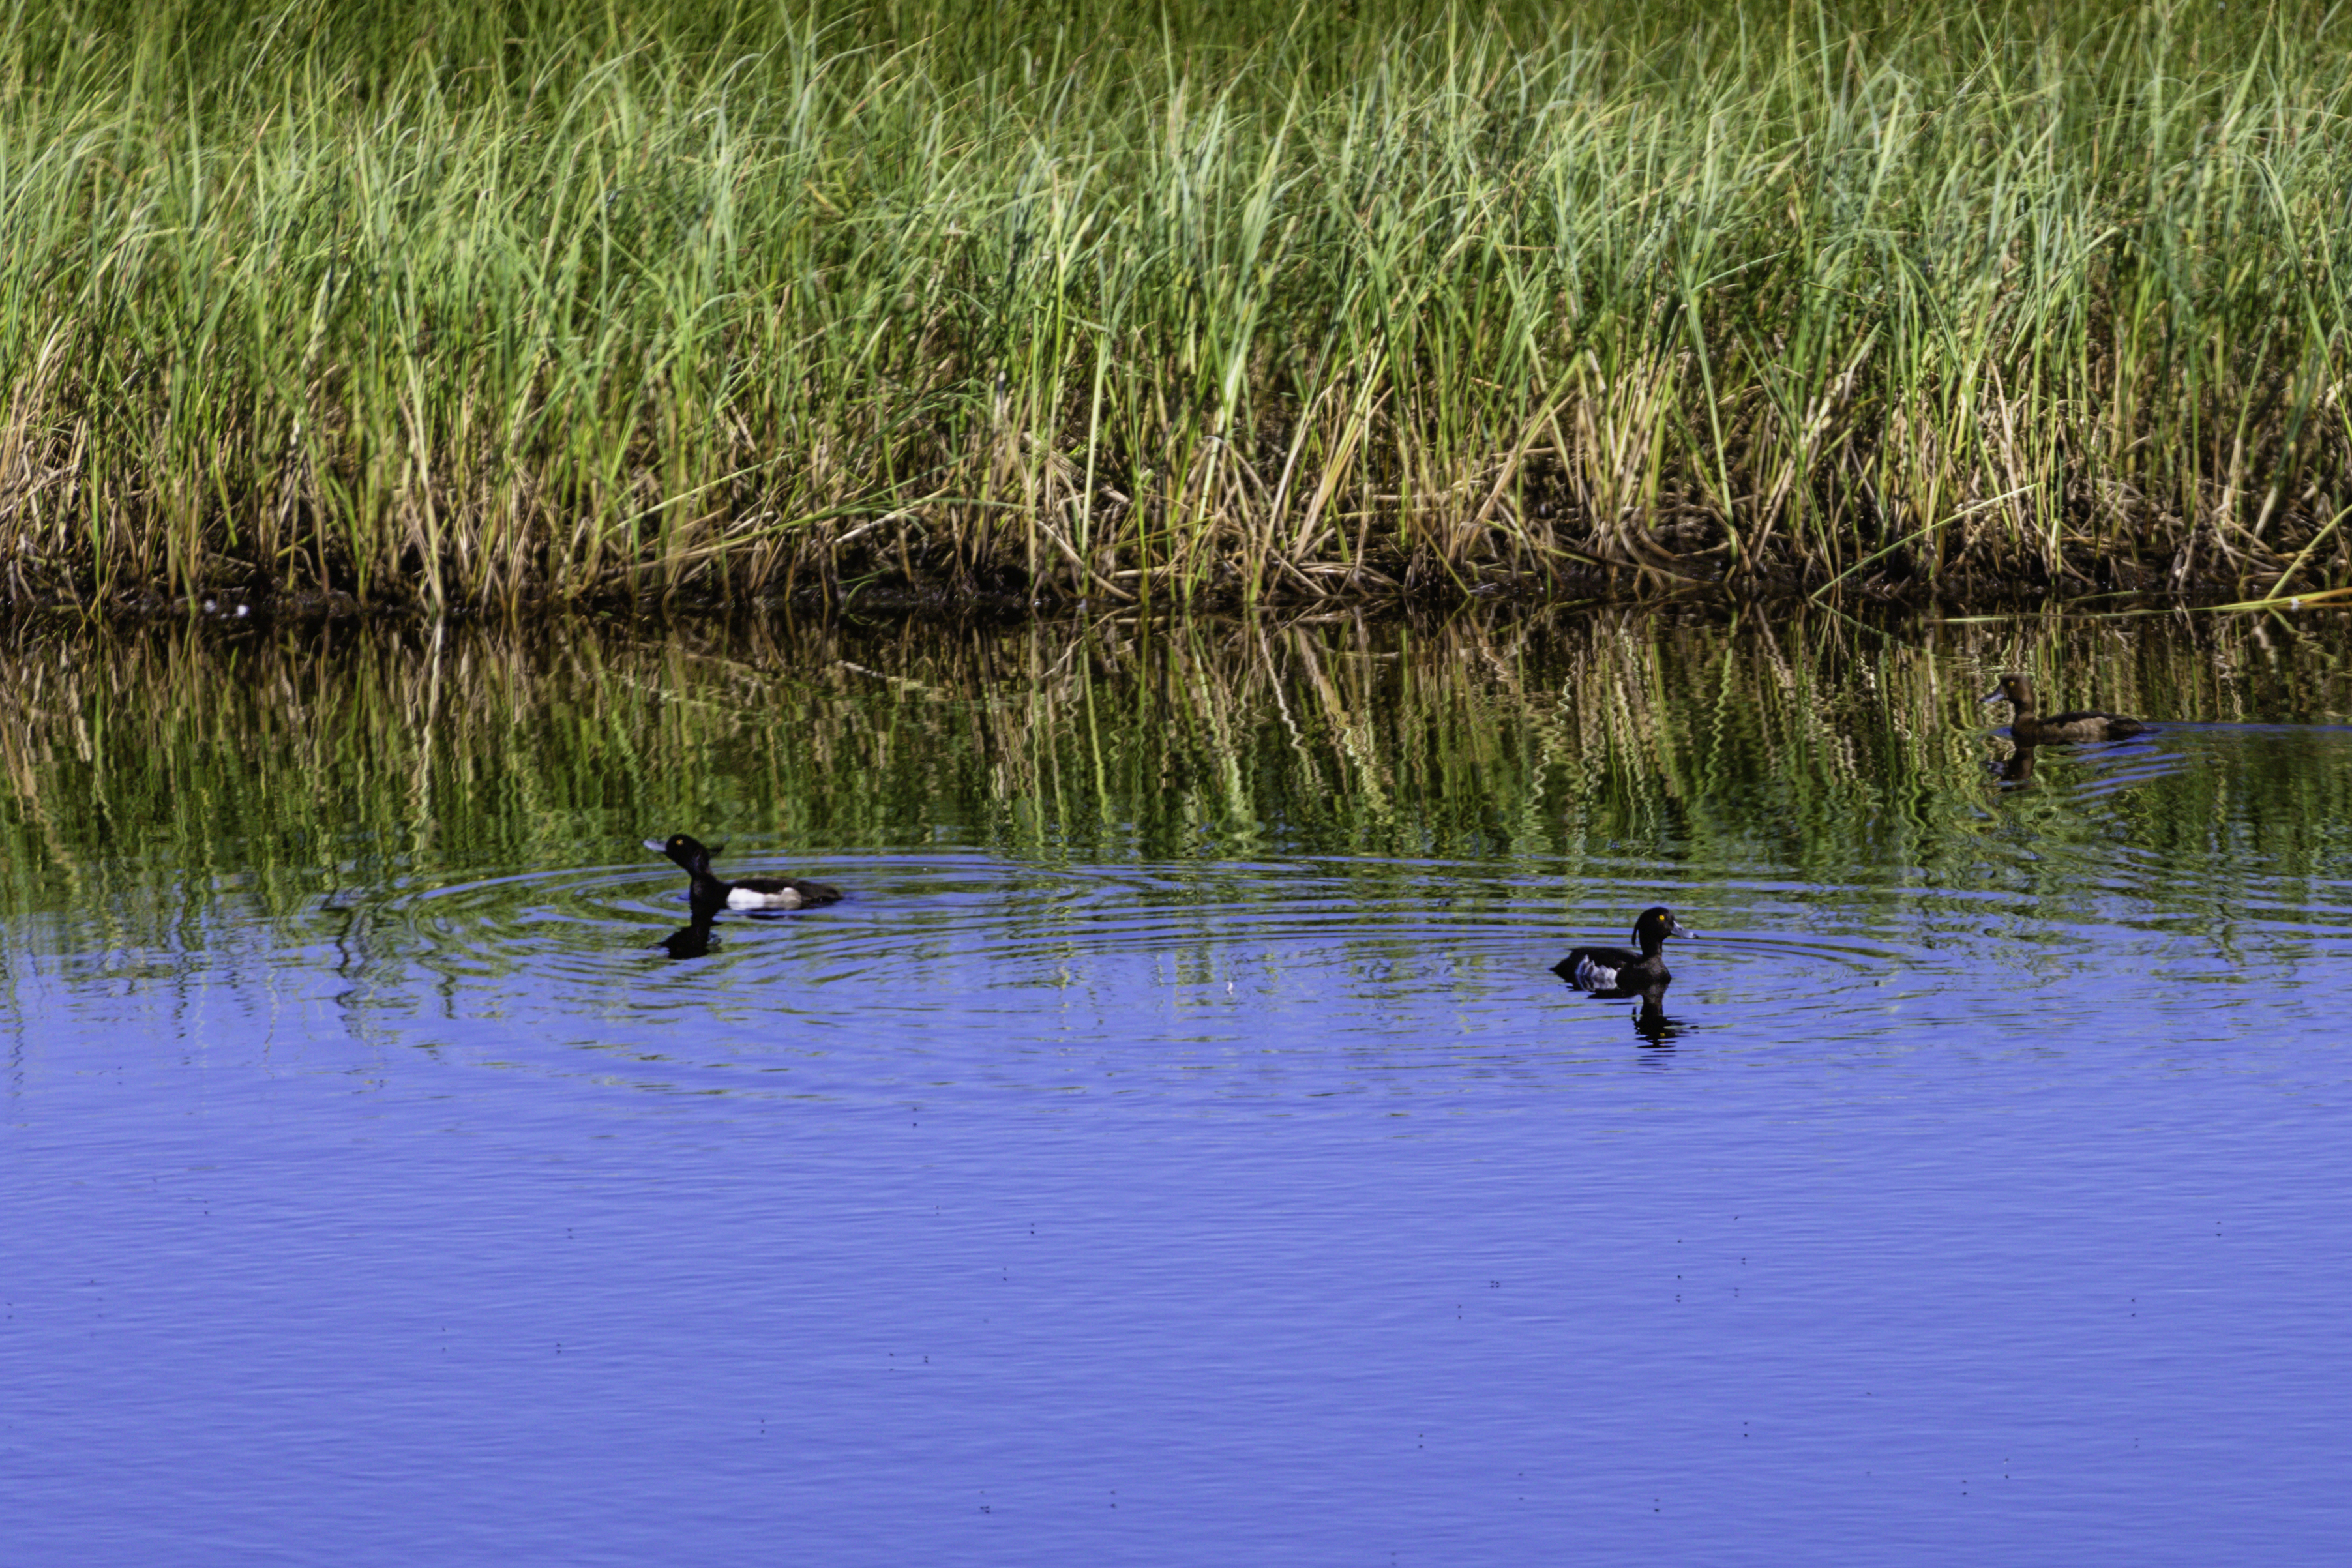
<point>693,940</point>
<point>1650,1023</point>
<point>2015,771</point>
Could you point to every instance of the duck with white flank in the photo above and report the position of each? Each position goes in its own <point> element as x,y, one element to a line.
<point>750,893</point>
<point>1614,972</point>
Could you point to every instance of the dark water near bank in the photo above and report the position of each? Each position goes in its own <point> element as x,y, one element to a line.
<point>1176,1148</point>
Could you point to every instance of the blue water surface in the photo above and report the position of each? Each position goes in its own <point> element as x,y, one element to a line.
<point>1269,1201</point>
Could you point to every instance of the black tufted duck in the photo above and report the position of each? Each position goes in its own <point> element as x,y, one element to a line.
<point>2030,728</point>
<point>751,893</point>
<point>1614,971</point>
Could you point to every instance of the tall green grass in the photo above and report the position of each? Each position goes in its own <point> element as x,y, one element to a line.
<point>486,303</point>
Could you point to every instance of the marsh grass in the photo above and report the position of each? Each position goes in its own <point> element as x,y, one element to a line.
<point>478,304</point>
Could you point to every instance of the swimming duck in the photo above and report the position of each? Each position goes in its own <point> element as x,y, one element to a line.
<point>751,893</point>
<point>2030,728</point>
<point>1614,971</point>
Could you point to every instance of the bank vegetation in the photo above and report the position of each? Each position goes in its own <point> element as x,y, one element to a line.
<point>475,305</point>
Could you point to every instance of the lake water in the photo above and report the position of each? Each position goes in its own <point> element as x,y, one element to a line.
<point>1176,1148</point>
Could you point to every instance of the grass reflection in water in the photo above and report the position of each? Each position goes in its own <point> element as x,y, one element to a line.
<point>1436,806</point>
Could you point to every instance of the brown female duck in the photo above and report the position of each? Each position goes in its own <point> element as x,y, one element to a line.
<point>2030,728</point>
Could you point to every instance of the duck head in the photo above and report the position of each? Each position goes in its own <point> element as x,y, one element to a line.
<point>2015,690</point>
<point>1654,925</point>
<point>689,853</point>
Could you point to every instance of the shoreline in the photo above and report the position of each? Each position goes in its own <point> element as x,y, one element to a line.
<point>233,608</point>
